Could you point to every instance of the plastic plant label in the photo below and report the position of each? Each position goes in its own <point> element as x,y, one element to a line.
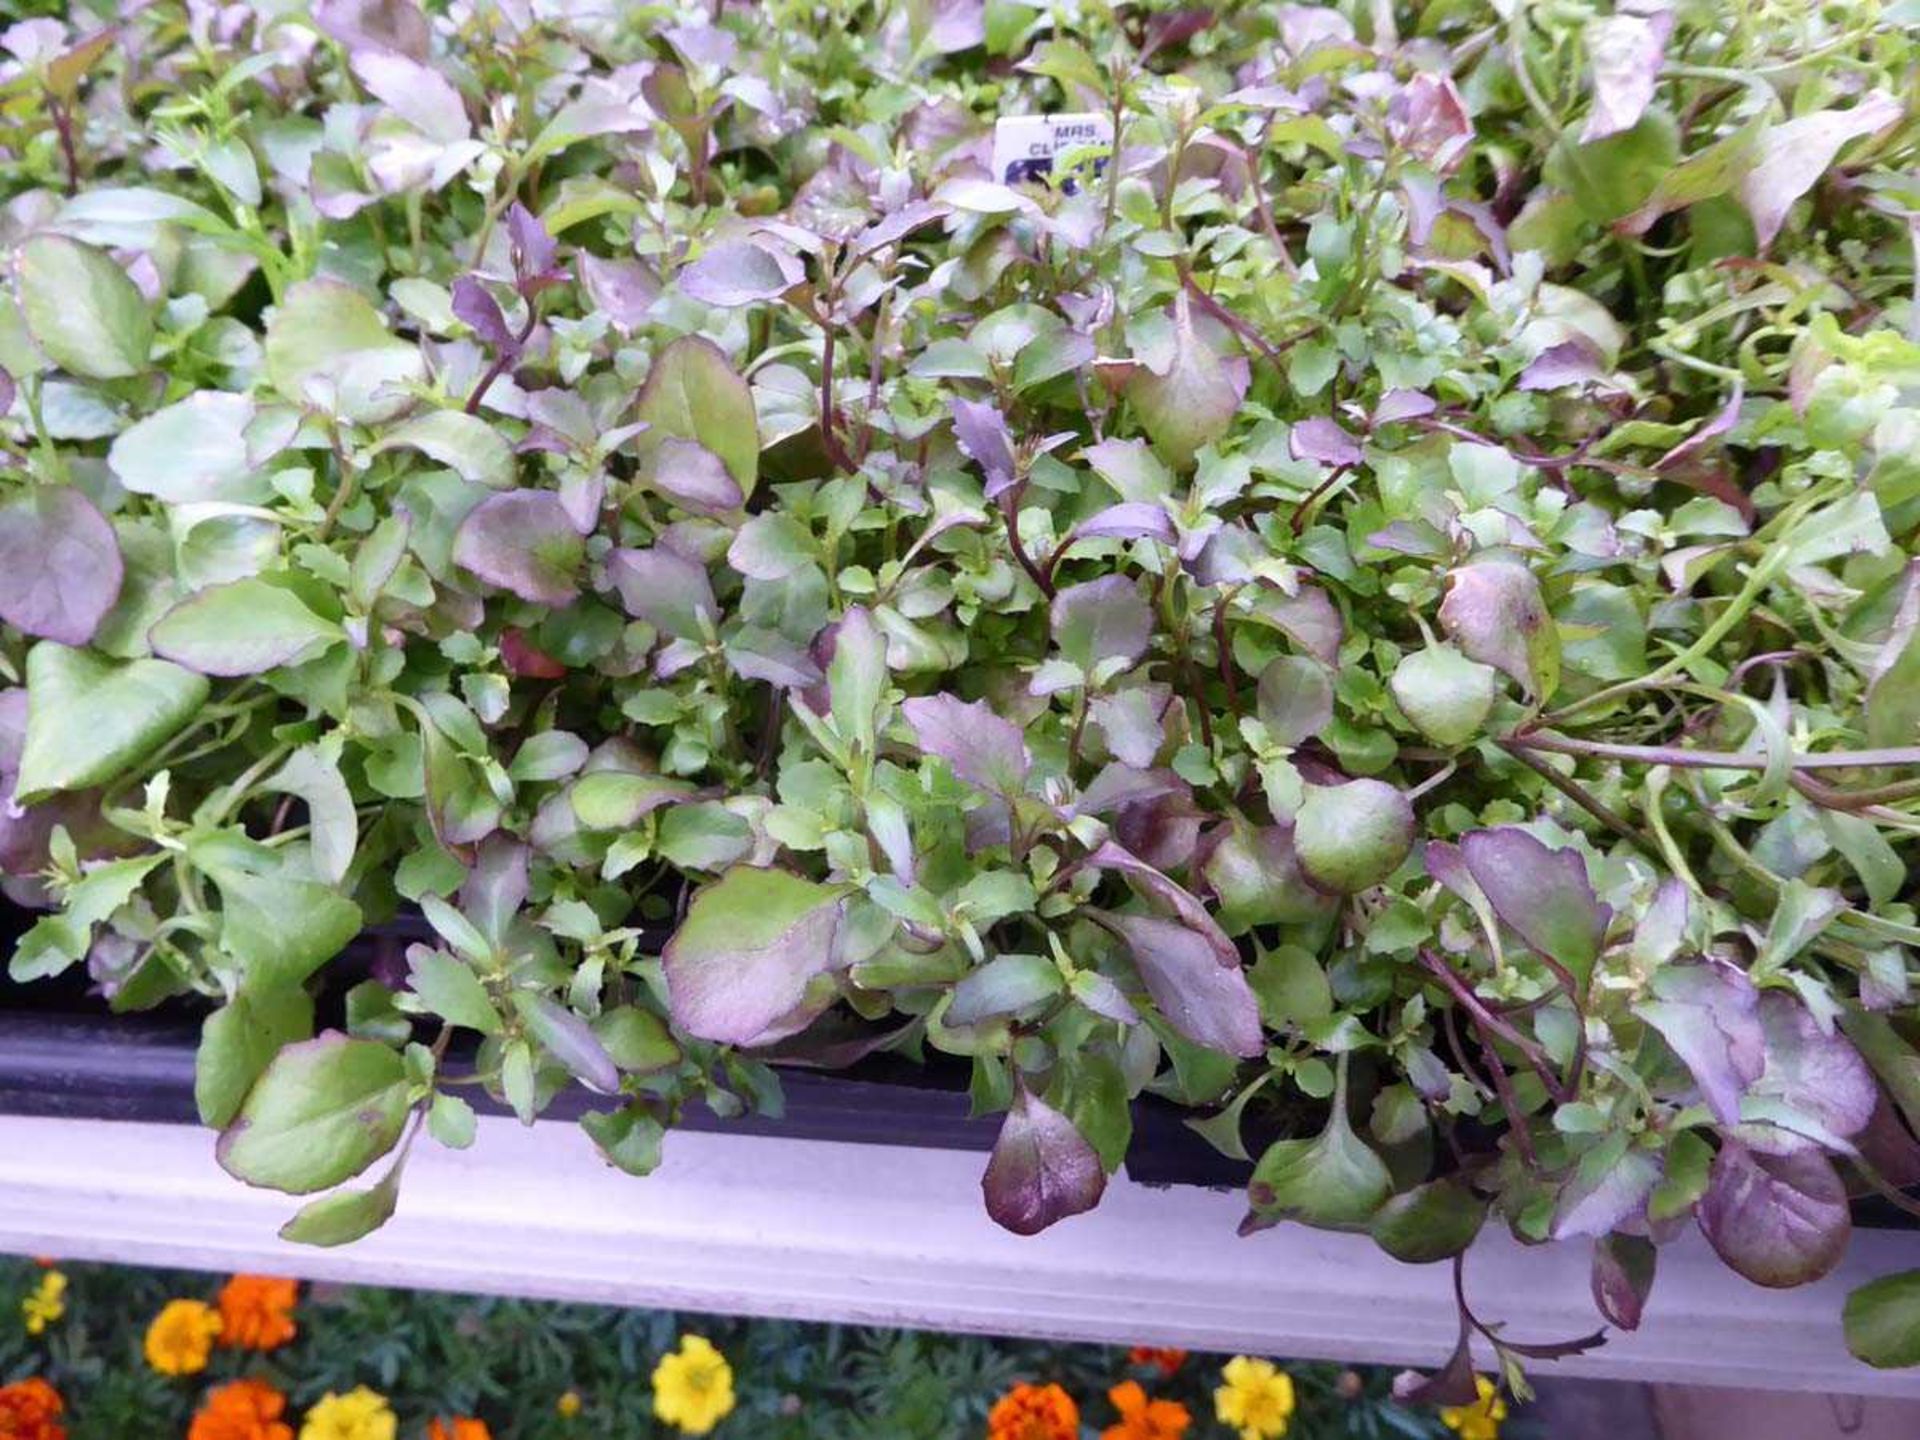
<point>1027,147</point>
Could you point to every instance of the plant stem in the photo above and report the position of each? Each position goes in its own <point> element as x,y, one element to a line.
<point>1682,758</point>
<point>1580,796</point>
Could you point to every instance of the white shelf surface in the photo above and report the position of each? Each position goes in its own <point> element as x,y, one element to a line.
<point>891,1236</point>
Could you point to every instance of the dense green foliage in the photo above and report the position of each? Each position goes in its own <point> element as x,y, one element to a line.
<point>1386,613</point>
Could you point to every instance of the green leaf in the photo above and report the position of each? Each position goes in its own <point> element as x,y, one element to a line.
<point>1882,1320</point>
<point>1334,1181</point>
<point>82,309</point>
<point>281,927</point>
<point>327,346</point>
<point>464,443</point>
<point>694,393</point>
<point>638,1040</point>
<point>1428,1223</point>
<point>449,988</point>
<point>313,774</point>
<point>90,719</point>
<point>242,628</point>
<point>628,1138</point>
<point>349,1215</point>
<point>324,1110</point>
<point>618,800</point>
<point>238,1041</point>
<point>451,1121</point>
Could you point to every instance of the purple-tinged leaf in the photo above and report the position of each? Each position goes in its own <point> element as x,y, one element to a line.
<point>622,290</point>
<point>741,962</point>
<point>955,25</point>
<point>1814,1074</point>
<point>981,431</point>
<point>1609,1189</point>
<point>1789,158</point>
<point>8,392</point>
<point>984,749</point>
<point>1208,1002</point>
<point>523,541</point>
<point>703,44</point>
<point>1542,895</point>
<point>475,307</point>
<point>1398,405</point>
<point>1163,832</point>
<point>496,886</point>
<point>1454,1383</point>
<point>1323,440</point>
<point>1724,419</point>
<point>1571,362</point>
<point>1043,1169</point>
<point>1294,699</point>
<point>1158,888</point>
<point>1428,119</point>
<point>1778,1220</point>
<point>60,566</point>
<point>1309,619</point>
<point>1134,722</point>
<point>666,589</point>
<point>568,1039</point>
<point>1709,1013</point>
<point>1188,385</point>
<point>1129,520</point>
<point>1104,619</point>
<point>396,25</point>
<point>695,478</point>
<point>533,250</point>
<point>739,272</point>
<point>760,654</point>
<point>1124,784</point>
<point>1627,50</point>
<point>1495,613</point>
<point>1623,1269</point>
<point>418,94</point>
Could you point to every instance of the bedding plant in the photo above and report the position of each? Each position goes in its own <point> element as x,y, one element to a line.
<point>1382,612</point>
<point>338,1363</point>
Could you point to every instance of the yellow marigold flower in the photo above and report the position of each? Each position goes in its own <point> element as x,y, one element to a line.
<point>181,1337</point>
<point>1257,1399</point>
<point>693,1386</point>
<point>360,1414</point>
<point>1034,1412</point>
<point>46,1304</point>
<point>256,1312</point>
<point>1480,1420</point>
<point>568,1405</point>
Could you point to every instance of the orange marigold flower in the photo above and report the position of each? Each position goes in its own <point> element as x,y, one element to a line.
<point>1034,1412</point>
<point>243,1410</point>
<point>461,1429</point>
<point>1167,1361</point>
<point>256,1312</point>
<point>1144,1419</point>
<point>31,1410</point>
